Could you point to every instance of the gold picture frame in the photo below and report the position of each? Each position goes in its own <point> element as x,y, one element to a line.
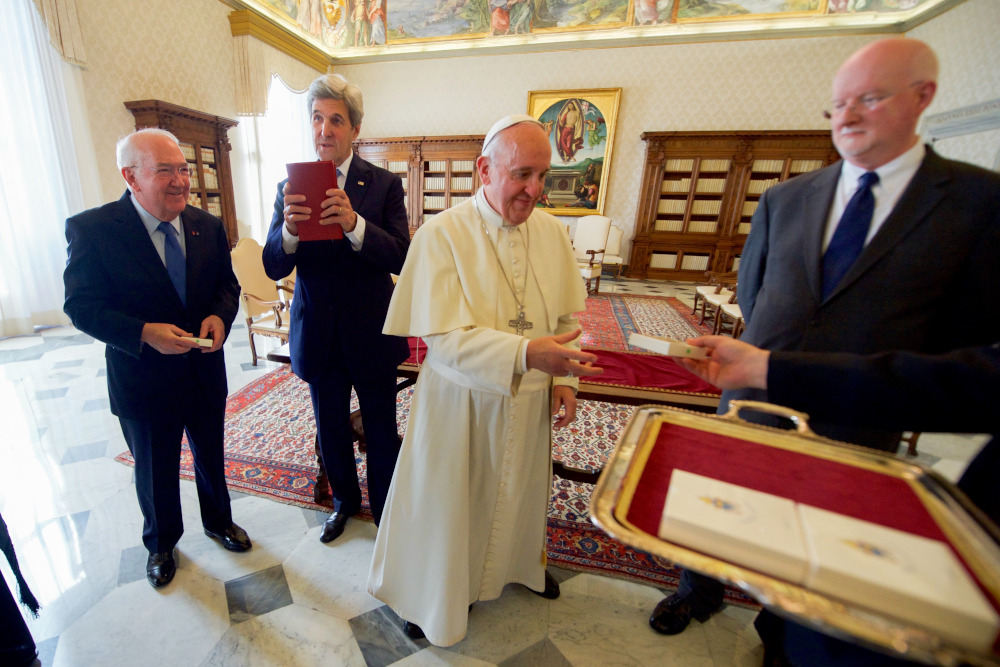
<point>581,128</point>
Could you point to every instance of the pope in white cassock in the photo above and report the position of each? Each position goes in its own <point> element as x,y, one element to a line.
<point>492,286</point>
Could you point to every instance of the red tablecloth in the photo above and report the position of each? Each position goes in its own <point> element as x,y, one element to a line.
<point>625,369</point>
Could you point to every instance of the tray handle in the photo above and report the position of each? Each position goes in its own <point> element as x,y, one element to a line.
<point>800,419</point>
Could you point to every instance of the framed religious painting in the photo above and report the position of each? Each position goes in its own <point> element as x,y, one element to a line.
<point>581,128</point>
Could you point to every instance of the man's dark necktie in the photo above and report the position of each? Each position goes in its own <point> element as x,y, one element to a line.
<point>175,260</point>
<point>849,237</point>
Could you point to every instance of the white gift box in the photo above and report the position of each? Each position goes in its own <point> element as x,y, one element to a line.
<point>750,528</point>
<point>912,578</point>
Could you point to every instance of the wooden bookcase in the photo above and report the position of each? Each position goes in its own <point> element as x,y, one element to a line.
<point>205,143</point>
<point>700,189</point>
<point>437,172</point>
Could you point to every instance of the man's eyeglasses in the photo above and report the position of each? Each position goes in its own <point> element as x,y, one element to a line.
<point>868,101</point>
<point>168,172</point>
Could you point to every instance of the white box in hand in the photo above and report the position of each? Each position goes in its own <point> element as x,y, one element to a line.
<point>749,528</point>
<point>667,346</point>
<point>912,578</point>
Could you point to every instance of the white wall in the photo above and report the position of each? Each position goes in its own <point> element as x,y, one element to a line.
<point>965,39</point>
<point>770,84</point>
<point>182,52</point>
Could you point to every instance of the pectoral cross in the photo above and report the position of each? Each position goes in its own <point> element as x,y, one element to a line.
<point>520,324</point>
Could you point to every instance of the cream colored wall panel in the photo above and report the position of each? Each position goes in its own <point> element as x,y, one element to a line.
<point>770,84</point>
<point>182,52</point>
<point>178,51</point>
<point>966,43</point>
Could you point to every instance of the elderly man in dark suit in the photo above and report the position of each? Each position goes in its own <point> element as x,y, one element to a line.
<point>877,252</point>
<point>342,292</point>
<point>146,275</point>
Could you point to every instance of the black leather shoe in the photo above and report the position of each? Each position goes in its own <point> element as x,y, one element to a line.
<point>233,538</point>
<point>160,569</point>
<point>333,527</point>
<point>674,613</point>
<point>551,591</point>
<point>412,630</point>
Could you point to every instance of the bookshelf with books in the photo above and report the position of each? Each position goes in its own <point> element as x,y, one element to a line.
<point>437,172</point>
<point>699,192</point>
<point>205,143</point>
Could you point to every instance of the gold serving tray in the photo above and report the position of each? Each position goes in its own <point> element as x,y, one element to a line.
<point>968,530</point>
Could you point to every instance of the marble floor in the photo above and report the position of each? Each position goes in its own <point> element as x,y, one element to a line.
<point>291,600</point>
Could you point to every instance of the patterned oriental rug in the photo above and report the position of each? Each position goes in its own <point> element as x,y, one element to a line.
<point>270,453</point>
<point>610,318</point>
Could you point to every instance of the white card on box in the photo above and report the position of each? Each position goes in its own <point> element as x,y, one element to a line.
<point>671,348</point>
<point>906,576</point>
<point>749,528</point>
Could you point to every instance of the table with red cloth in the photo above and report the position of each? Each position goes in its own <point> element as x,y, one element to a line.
<point>631,378</point>
<point>629,501</point>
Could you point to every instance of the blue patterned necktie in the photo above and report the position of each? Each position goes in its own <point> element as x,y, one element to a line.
<point>174,257</point>
<point>849,237</point>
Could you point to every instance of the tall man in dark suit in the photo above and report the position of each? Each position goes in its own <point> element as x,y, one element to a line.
<point>342,292</point>
<point>146,274</point>
<point>909,274</point>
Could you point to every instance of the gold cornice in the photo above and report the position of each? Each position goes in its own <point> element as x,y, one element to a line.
<point>247,22</point>
<point>252,17</point>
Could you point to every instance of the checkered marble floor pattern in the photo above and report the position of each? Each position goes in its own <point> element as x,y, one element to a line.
<point>291,600</point>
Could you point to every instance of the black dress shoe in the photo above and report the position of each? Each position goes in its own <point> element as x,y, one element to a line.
<point>674,613</point>
<point>412,630</point>
<point>333,527</point>
<point>232,538</point>
<point>551,591</point>
<point>160,569</point>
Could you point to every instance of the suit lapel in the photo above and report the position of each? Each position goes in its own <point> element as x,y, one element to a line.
<point>135,239</point>
<point>922,195</point>
<point>815,211</point>
<point>196,245</point>
<point>358,179</point>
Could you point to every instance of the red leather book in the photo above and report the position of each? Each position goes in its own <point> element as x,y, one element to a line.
<point>313,179</point>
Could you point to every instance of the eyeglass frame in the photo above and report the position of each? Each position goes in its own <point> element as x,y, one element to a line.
<point>169,172</point>
<point>870,101</point>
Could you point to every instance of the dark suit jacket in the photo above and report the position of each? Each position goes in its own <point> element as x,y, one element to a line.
<point>954,392</point>
<point>116,282</point>
<point>342,296</point>
<point>918,284</point>
<point>958,391</point>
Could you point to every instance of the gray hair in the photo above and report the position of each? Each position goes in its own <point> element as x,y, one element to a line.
<point>336,87</point>
<point>128,154</point>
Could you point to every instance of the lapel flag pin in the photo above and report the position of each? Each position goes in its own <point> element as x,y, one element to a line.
<point>194,232</point>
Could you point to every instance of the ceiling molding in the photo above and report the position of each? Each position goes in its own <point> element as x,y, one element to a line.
<point>248,22</point>
<point>248,19</point>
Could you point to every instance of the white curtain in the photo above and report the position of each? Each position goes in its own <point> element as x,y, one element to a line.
<point>63,24</point>
<point>280,136</point>
<point>39,186</point>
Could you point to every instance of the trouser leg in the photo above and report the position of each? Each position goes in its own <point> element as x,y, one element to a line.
<point>156,449</point>
<point>703,593</point>
<point>331,399</point>
<point>206,436</point>
<point>377,396</point>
